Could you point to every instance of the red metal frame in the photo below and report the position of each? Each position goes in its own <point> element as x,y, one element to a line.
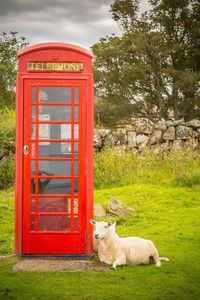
<point>27,242</point>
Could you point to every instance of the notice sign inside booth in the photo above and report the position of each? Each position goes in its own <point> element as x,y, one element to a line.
<point>55,66</point>
<point>44,129</point>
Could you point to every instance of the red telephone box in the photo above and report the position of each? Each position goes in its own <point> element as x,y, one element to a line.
<point>54,150</point>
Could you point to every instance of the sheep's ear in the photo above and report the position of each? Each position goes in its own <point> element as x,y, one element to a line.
<point>93,222</point>
<point>109,223</point>
<point>114,224</point>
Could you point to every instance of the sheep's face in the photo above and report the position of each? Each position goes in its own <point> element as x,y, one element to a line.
<point>103,229</point>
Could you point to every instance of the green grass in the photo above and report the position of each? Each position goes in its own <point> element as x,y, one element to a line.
<point>168,215</point>
<point>6,222</point>
<point>175,168</point>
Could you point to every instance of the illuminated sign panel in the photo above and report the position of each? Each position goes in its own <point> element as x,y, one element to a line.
<point>55,66</point>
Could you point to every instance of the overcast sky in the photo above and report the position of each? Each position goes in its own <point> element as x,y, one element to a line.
<point>71,21</point>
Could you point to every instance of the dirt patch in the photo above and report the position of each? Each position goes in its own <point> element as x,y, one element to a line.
<point>58,265</point>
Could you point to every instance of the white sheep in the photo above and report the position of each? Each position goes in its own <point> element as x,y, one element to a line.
<point>117,251</point>
<point>97,241</point>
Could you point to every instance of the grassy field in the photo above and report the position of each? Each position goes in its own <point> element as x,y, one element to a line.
<point>168,215</point>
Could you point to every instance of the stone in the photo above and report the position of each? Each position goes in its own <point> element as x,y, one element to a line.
<point>99,211</point>
<point>193,123</point>
<point>120,148</point>
<point>169,134</point>
<point>183,132</point>
<point>129,128</point>
<point>169,123</point>
<point>116,208</point>
<point>145,129</point>
<point>156,148</point>
<point>178,145</point>
<point>156,137</point>
<point>110,140</point>
<point>142,141</point>
<point>97,139</point>
<point>192,143</point>
<point>143,125</point>
<point>178,122</point>
<point>141,122</point>
<point>198,132</point>
<point>161,125</point>
<point>131,138</point>
<point>122,136</point>
<point>104,132</point>
<point>165,146</point>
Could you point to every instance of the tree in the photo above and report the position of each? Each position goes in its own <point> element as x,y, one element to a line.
<point>153,68</point>
<point>9,45</point>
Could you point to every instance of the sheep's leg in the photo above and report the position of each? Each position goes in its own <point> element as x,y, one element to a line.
<point>156,256</point>
<point>158,263</point>
<point>119,262</point>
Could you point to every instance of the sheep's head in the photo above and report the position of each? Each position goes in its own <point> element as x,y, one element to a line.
<point>103,229</point>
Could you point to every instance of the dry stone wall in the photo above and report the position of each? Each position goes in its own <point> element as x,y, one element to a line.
<point>144,134</point>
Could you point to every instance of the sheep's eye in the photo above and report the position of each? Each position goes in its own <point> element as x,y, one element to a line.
<point>106,227</point>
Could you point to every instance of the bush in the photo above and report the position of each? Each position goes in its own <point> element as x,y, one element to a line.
<point>7,172</point>
<point>7,147</point>
<point>7,129</point>
<point>114,168</point>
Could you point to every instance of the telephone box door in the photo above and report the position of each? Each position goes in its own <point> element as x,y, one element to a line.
<point>54,204</point>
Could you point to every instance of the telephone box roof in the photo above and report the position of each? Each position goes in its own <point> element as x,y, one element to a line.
<point>58,46</point>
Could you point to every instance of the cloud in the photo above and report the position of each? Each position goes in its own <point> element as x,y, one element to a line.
<point>72,21</point>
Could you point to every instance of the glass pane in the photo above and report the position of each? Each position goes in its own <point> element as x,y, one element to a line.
<point>65,131</point>
<point>33,131</point>
<point>44,131</point>
<point>54,149</point>
<point>76,133</point>
<point>33,92</point>
<point>54,223</point>
<point>76,149</point>
<point>33,183</point>
<point>54,186</point>
<point>55,113</point>
<point>32,204</point>
<point>76,223</point>
<point>32,223</point>
<point>76,113</point>
<point>33,167</point>
<point>76,186</point>
<point>55,131</point>
<point>76,94</point>
<point>54,205</point>
<point>55,94</point>
<point>33,113</point>
<point>76,168</point>
<point>75,205</point>
<point>57,168</point>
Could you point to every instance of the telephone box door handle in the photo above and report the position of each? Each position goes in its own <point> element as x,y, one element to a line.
<point>25,149</point>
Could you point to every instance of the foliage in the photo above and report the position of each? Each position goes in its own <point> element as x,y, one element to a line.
<point>7,127</point>
<point>168,216</point>
<point>9,45</point>
<point>176,168</point>
<point>153,69</point>
<point>7,172</point>
<point>7,147</point>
